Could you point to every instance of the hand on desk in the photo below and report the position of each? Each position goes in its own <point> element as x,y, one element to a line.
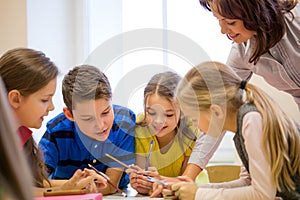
<point>183,188</point>
<point>138,178</point>
<point>86,179</point>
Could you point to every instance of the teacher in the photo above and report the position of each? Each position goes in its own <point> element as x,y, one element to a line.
<point>266,39</point>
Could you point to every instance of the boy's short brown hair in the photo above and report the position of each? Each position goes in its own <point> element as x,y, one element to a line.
<point>85,82</point>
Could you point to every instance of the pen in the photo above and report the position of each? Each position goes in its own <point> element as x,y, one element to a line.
<point>118,161</point>
<point>148,156</point>
<point>107,179</point>
<point>154,180</point>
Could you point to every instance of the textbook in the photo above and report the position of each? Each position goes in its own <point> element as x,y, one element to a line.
<point>89,196</point>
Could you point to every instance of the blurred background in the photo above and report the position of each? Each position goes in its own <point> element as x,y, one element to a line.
<point>69,32</point>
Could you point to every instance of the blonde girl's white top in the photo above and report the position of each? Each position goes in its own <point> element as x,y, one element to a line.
<point>257,186</point>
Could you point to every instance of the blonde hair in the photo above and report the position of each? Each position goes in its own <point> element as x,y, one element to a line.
<point>215,83</point>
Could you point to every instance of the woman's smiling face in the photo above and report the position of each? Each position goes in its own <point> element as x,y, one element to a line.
<point>233,28</point>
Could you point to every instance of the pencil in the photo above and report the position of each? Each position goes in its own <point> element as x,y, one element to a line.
<point>118,161</point>
<point>148,156</point>
<point>107,179</point>
<point>154,180</point>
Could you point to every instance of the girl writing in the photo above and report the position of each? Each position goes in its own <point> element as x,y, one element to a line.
<point>173,135</point>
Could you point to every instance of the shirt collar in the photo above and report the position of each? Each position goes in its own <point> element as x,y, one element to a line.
<point>24,134</point>
<point>86,142</point>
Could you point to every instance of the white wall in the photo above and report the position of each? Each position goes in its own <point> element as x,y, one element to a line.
<point>52,29</point>
<point>64,31</point>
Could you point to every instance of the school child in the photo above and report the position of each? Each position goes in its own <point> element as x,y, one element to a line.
<point>89,128</point>
<point>14,183</point>
<point>173,135</point>
<point>266,139</point>
<point>30,81</point>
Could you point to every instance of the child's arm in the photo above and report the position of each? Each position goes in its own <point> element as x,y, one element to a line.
<point>192,171</point>
<point>184,164</point>
<point>204,149</point>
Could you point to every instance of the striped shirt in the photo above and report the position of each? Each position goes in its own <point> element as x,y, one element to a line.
<point>67,149</point>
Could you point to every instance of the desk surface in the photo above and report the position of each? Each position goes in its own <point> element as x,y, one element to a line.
<point>129,198</point>
<point>131,194</point>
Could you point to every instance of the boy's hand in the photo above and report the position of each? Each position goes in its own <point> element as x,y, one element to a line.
<point>99,181</point>
<point>86,179</point>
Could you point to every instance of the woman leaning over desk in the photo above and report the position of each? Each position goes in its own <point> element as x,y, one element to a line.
<point>266,39</point>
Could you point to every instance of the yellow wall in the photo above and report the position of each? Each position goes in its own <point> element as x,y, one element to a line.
<point>13,24</point>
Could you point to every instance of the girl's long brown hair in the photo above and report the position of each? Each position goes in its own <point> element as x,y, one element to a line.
<point>164,85</point>
<point>27,71</point>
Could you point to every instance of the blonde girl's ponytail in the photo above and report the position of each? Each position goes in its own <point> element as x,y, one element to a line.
<point>280,137</point>
<point>215,83</point>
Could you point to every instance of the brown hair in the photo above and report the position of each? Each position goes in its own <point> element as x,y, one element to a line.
<point>85,82</point>
<point>266,17</point>
<point>162,84</point>
<point>215,83</point>
<point>15,177</point>
<point>27,71</point>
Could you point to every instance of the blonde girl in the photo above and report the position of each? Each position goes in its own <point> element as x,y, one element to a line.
<point>266,139</point>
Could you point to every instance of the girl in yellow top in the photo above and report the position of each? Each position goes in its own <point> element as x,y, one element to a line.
<point>172,134</point>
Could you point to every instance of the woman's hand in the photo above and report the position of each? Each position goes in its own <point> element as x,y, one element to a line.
<point>86,179</point>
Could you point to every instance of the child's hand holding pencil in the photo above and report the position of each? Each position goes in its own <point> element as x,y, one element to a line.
<point>108,180</point>
<point>140,179</point>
